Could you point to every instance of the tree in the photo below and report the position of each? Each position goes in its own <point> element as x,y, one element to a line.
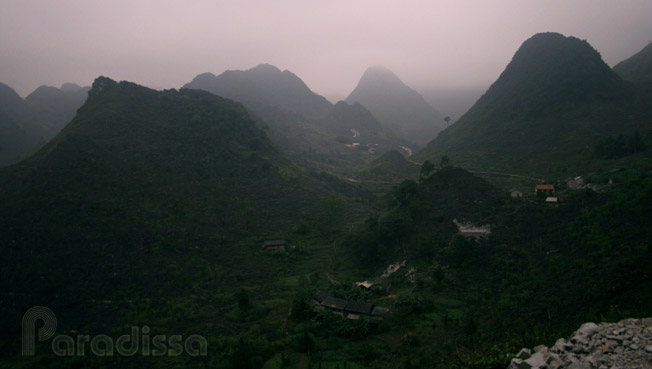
<point>404,192</point>
<point>447,119</point>
<point>426,169</point>
<point>445,161</point>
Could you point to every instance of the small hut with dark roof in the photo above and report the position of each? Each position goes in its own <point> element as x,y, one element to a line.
<point>334,304</point>
<point>359,307</point>
<point>274,245</point>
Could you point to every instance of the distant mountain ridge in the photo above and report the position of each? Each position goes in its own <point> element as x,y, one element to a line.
<point>554,101</point>
<point>338,138</point>
<point>638,68</point>
<point>52,108</point>
<point>397,106</point>
<point>264,87</point>
<point>27,124</point>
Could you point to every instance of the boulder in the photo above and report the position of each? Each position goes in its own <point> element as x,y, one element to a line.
<point>588,329</point>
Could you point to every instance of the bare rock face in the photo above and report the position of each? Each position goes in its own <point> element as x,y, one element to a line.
<point>624,345</point>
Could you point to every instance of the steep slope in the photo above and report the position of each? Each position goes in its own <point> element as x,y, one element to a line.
<point>51,108</point>
<point>555,100</point>
<point>11,104</point>
<point>638,68</point>
<point>308,128</point>
<point>28,124</point>
<point>397,106</point>
<point>16,142</point>
<point>390,167</point>
<point>139,191</point>
<point>344,117</point>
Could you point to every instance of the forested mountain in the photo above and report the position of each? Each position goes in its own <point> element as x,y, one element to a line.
<point>399,108</point>
<point>28,124</point>
<point>139,193</point>
<point>337,138</point>
<point>288,232</point>
<point>555,101</point>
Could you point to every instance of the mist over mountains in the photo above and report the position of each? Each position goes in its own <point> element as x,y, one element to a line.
<point>546,112</point>
<point>638,68</point>
<point>264,88</point>
<point>136,175</point>
<point>311,130</point>
<point>399,108</point>
<point>28,124</point>
<point>127,207</point>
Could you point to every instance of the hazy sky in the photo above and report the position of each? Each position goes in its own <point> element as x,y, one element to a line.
<point>329,44</point>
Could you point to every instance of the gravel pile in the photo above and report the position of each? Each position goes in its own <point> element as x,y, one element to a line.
<point>623,345</point>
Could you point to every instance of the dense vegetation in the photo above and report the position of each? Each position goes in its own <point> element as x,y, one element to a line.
<point>391,167</point>
<point>543,116</point>
<point>622,145</point>
<point>150,208</point>
<point>146,210</point>
<point>544,270</point>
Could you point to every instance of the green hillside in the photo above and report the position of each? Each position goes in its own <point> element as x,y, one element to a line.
<point>541,271</point>
<point>151,210</point>
<point>157,199</point>
<point>392,166</point>
<point>555,101</point>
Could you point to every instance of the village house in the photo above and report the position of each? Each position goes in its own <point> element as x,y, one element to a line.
<point>544,189</point>
<point>380,284</point>
<point>274,245</point>
<point>552,200</point>
<point>352,310</point>
<point>576,183</point>
<point>334,304</point>
<point>472,231</point>
<point>515,194</point>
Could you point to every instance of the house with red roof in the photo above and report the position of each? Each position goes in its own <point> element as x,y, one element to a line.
<point>544,189</point>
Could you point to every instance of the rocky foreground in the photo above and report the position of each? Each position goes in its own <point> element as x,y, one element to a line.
<point>623,345</point>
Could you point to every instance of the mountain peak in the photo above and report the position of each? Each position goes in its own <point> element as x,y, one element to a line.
<point>70,87</point>
<point>567,68</point>
<point>264,67</point>
<point>396,106</point>
<point>550,105</point>
<point>9,94</point>
<point>101,84</point>
<point>380,76</point>
<point>262,88</point>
